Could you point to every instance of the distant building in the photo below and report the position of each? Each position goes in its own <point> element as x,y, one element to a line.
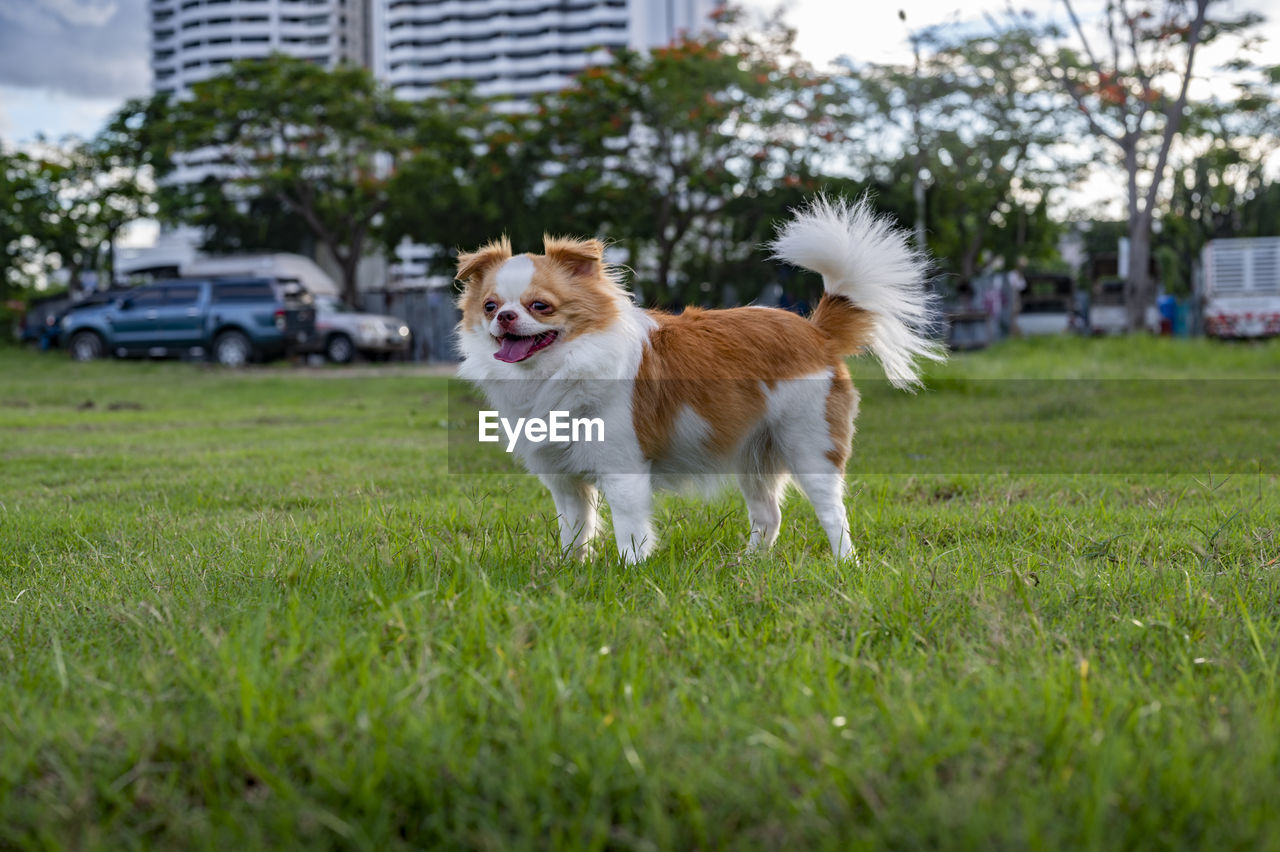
<point>509,48</point>
<point>195,39</point>
<point>517,48</point>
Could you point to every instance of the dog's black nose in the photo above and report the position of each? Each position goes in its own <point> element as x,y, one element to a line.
<point>507,317</point>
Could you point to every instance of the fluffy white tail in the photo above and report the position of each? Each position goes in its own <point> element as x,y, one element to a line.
<point>864,258</point>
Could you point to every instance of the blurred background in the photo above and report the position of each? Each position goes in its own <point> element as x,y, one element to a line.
<point>1072,167</point>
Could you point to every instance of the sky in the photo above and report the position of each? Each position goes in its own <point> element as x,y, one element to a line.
<point>65,65</point>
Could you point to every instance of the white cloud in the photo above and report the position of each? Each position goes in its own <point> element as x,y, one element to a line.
<point>82,13</point>
<point>87,48</point>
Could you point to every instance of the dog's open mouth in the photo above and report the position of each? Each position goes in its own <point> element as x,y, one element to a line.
<point>514,348</point>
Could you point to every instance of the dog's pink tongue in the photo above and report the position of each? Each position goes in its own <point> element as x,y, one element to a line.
<point>514,349</point>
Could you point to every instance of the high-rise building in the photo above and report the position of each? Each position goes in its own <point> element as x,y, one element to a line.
<point>508,47</point>
<point>517,48</point>
<point>195,39</point>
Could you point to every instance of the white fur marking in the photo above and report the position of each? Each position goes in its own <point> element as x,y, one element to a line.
<point>514,277</point>
<point>863,257</point>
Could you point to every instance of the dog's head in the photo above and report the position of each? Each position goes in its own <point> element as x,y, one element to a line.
<point>522,308</point>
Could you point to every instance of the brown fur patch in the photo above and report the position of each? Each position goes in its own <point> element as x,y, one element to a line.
<point>848,326</point>
<point>842,409</point>
<point>714,361</point>
<point>473,268</point>
<point>472,265</point>
<point>582,297</point>
<point>580,258</point>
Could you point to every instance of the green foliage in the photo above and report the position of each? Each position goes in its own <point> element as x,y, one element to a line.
<point>974,118</point>
<point>253,610</point>
<point>1134,93</point>
<point>321,143</point>
<point>690,152</point>
<point>476,171</point>
<point>1221,189</point>
<point>234,222</point>
<point>63,206</point>
<point>686,156</point>
<point>17,187</point>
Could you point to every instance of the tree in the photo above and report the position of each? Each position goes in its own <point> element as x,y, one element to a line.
<point>1219,183</point>
<point>66,204</point>
<point>684,155</point>
<point>1134,96</point>
<point>1217,194</point>
<point>974,117</point>
<point>476,170</point>
<point>233,221</point>
<point>229,218</point>
<point>17,220</point>
<point>322,142</point>
<point>688,152</point>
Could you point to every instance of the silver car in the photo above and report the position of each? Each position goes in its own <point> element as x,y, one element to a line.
<point>343,332</point>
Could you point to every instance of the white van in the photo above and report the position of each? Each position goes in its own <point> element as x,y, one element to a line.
<point>283,267</point>
<point>174,255</point>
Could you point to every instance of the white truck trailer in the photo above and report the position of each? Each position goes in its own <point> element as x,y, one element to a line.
<point>1241,287</point>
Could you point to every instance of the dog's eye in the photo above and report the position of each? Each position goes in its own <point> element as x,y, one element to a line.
<point>490,307</point>
<point>542,307</point>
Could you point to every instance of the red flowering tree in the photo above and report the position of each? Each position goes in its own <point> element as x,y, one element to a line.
<point>687,154</point>
<point>1130,79</point>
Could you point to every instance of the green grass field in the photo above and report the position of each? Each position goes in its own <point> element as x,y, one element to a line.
<point>249,610</point>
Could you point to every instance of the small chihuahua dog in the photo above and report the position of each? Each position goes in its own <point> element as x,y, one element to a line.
<point>756,393</point>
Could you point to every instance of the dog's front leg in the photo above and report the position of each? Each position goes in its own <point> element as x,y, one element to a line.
<point>630,498</point>
<point>577,508</point>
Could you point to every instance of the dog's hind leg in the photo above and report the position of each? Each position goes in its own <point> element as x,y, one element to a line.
<point>826,492</point>
<point>577,507</point>
<point>826,408</point>
<point>763,492</point>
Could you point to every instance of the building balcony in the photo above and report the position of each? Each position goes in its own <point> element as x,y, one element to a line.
<point>447,64</point>
<point>548,39</point>
<point>502,18</point>
<point>479,9</point>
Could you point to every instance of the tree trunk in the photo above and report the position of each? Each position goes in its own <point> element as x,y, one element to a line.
<point>350,264</point>
<point>1139,288</point>
<point>110,271</point>
<point>1135,274</point>
<point>73,277</point>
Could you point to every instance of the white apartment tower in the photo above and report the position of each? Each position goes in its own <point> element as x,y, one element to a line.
<point>517,48</point>
<point>512,48</point>
<point>195,39</point>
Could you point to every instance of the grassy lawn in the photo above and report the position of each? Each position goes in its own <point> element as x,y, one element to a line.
<point>256,610</point>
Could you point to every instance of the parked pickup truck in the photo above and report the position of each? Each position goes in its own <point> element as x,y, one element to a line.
<point>232,320</point>
<point>342,333</point>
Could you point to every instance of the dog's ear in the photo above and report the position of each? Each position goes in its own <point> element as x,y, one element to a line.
<point>473,265</point>
<point>583,258</point>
